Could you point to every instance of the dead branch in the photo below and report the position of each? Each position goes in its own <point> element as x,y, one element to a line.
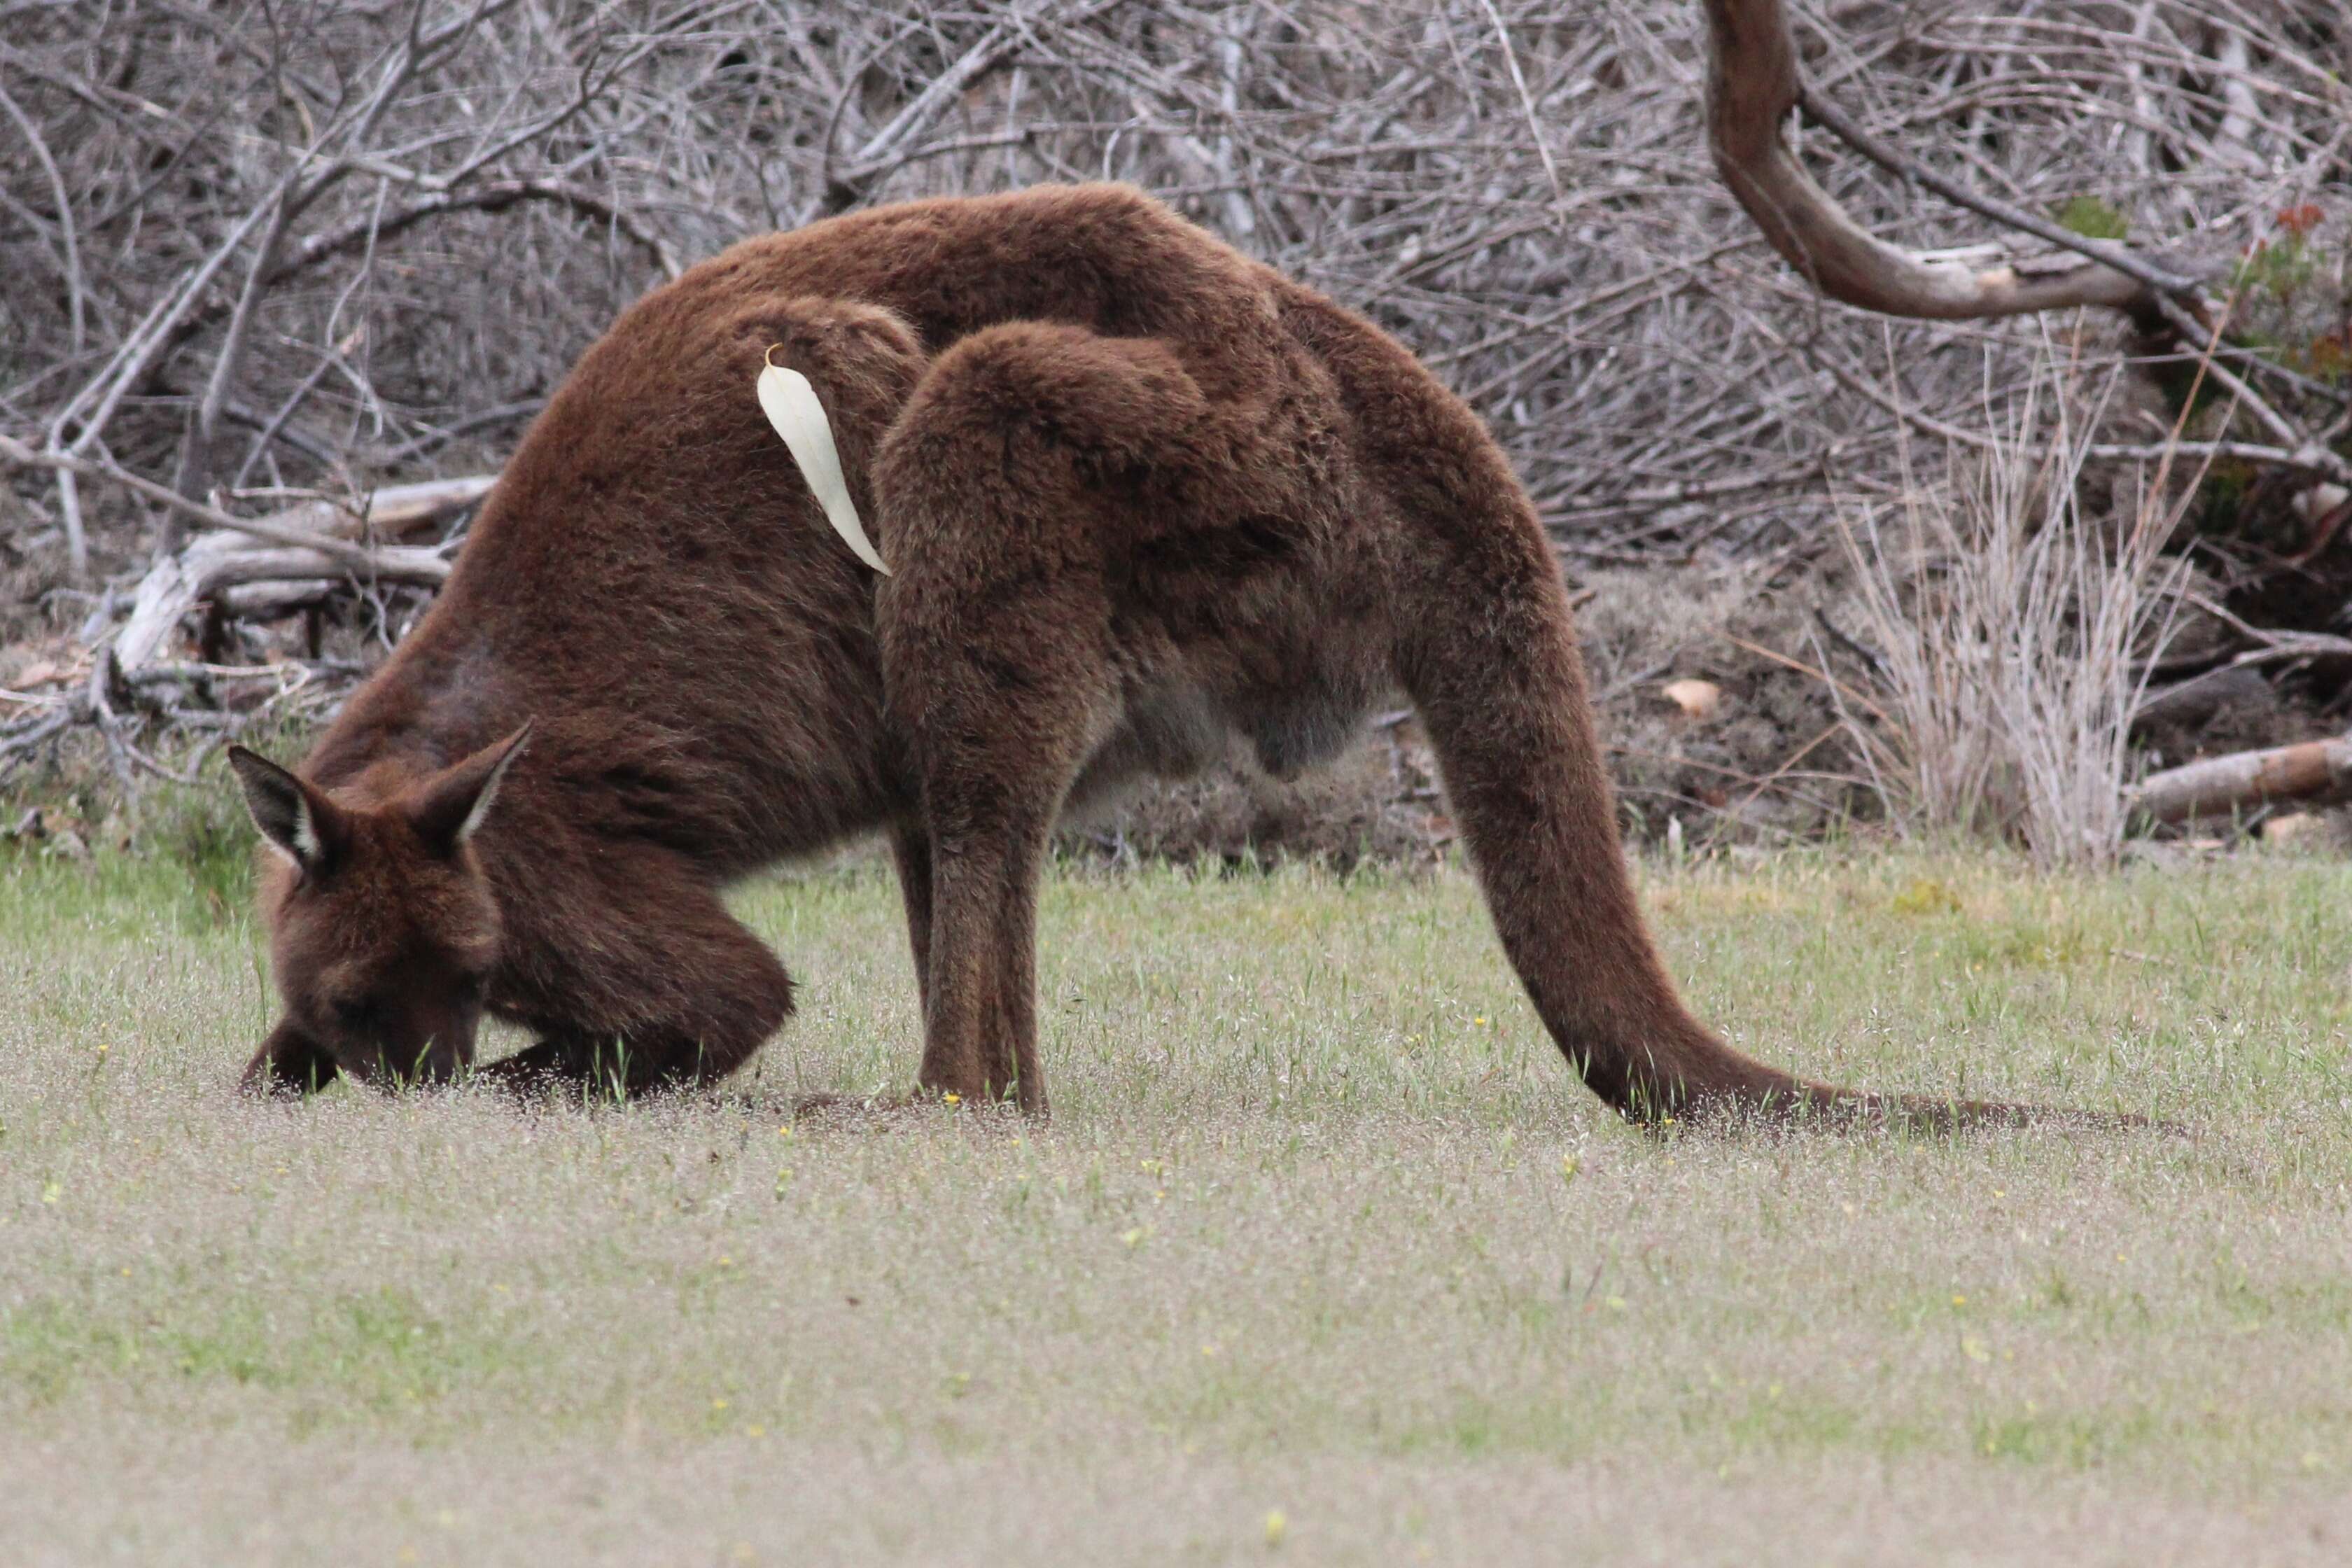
<point>77,288</point>
<point>2313,773</point>
<point>2198,699</point>
<point>1753,86</point>
<point>485,197</point>
<point>324,554</point>
<point>1752,89</point>
<point>259,526</point>
<point>16,452</point>
<point>1551,237</point>
<point>2272,645</point>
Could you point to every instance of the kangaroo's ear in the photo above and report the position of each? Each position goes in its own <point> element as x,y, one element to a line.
<point>297,817</point>
<point>448,807</point>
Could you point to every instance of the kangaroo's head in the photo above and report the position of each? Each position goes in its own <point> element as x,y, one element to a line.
<point>383,930</point>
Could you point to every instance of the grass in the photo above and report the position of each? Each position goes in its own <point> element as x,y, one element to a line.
<point>1323,1259</point>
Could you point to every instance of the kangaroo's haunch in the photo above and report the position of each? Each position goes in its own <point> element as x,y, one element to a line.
<point>1138,494</point>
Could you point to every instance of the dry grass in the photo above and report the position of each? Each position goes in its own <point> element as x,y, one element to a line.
<point>2012,631</point>
<point>1321,1230</point>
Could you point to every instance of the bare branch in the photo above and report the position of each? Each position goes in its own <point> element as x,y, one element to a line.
<point>1752,87</point>
<point>76,289</point>
<point>1602,316</point>
<point>355,556</point>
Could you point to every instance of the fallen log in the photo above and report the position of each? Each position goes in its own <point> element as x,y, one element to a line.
<point>221,558</point>
<point>2313,773</point>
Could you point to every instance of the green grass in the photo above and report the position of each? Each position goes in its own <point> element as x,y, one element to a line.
<point>1321,1229</point>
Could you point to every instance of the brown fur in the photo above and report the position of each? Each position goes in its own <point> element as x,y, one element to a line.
<point>1137,492</point>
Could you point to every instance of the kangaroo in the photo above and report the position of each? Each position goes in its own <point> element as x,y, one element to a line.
<point>1136,494</point>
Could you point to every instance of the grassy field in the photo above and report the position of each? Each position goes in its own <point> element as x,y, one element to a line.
<point>1324,1259</point>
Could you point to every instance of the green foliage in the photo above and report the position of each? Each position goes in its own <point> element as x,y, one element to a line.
<point>2277,267</point>
<point>2092,218</point>
<point>202,831</point>
<point>2291,305</point>
<point>2293,301</point>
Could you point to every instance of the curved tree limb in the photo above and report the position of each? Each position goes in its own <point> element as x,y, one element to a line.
<point>1752,86</point>
<point>2158,277</point>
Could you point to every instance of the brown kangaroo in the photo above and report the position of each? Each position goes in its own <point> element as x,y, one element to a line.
<point>1135,492</point>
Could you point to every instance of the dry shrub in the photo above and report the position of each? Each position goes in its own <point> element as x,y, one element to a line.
<point>419,239</point>
<point>2012,631</point>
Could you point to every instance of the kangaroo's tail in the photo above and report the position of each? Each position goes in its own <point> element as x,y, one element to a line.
<point>1491,663</point>
<point>1487,653</point>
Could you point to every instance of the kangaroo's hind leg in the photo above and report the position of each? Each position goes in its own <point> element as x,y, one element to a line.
<point>998,650</point>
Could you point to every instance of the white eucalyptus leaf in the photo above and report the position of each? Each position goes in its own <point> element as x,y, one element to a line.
<point>792,406</point>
